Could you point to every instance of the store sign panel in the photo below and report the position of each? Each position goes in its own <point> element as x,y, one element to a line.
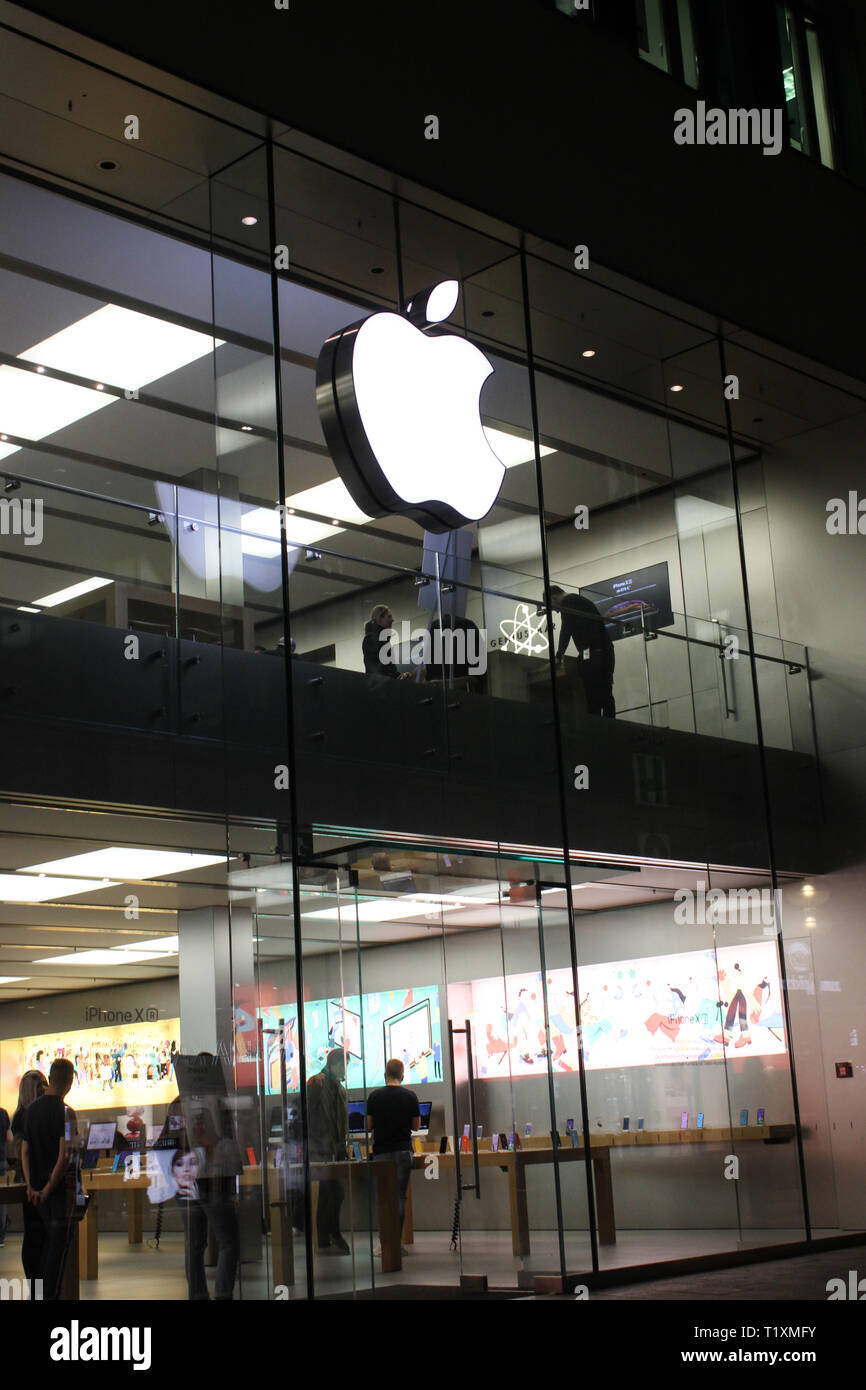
<point>399,406</point>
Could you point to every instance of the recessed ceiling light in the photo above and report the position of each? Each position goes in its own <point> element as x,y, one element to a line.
<point>99,386</point>
<point>4,437</point>
<point>808,890</point>
<point>487,313</point>
<point>677,387</point>
<point>119,345</point>
<point>249,221</point>
<point>247,428</point>
<point>107,165</point>
<point>588,352</point>
<point>22,888</point>
<point>377,270</point>
<point>25,608</point>
<point>125,863</point>
<point>85,586</point>
<point>810,921</point>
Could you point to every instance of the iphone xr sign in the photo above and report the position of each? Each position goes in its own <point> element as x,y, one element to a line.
<point>399,403</point>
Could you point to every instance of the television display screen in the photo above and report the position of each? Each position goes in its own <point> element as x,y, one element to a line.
<point>633,1013</point>
<point>628,602</point>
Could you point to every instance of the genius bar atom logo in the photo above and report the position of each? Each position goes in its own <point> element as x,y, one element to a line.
<point>399,405</point>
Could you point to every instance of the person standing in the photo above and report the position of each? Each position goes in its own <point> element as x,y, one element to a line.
<point>49,1132</point>
<point>4,1135</point>
<point>392,1113</point>
<point>31,1085</point>
<point>328,1120</point>
<point>583,624</point>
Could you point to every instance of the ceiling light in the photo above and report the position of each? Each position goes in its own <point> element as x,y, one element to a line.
<point>677,387</point>
<point>124,863</point>
<point>588,352</point>
<point>85,586</point>
<point>13,979</point>
<point>99,386</point>
<point>109,957</point>
<point>808,890</point>
<point>810,921</point>
<point>246,428</point>
<point>19,888</point>
<point>511,449</point>
<point>25,608</point>
<point>249,221</point>
<point>114,344</point>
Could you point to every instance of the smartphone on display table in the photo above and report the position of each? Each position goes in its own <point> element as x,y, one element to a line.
<point>569,1126</point>
<point>760,1117</point>
<point>744,1117</point>
<point>640,1124</point>
<point>528,1131</point>
<point>494,1142</point>
<point>701,1120</point>
<point>684,1120</point>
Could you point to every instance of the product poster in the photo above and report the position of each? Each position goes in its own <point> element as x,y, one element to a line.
<point>696,1006</point>
<point>401,1023</point>
<point>121,1066</point>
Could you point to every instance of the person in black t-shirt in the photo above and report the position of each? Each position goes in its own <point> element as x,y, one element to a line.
<point>47,1144</point>
<point>582,624</point>
<point>392,1114</point>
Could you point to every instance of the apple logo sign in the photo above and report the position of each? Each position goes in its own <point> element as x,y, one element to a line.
<point>399,403</point>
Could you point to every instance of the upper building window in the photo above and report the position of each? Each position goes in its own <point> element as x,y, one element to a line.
<point>666,38</point>
<point>805,86</point>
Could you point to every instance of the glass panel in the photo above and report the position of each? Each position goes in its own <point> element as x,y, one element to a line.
<point>794,80</point>
<point>651,37</point>
<point>819,96</point>
<point>688,45</point>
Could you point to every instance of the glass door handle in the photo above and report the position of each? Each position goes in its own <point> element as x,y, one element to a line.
<point>452,1033</point>
<point>473,1126</point>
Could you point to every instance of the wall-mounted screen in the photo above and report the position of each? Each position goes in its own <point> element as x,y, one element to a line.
<point>696,1006</point>
<point>400,1023</point>
<point>124,1064</point>
<point>409,1035</point>
<point>627,600</point>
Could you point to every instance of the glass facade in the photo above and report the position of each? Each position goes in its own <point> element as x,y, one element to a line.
<point>552,846</point>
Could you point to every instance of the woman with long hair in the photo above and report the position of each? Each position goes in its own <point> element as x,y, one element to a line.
<point>31,1085</point>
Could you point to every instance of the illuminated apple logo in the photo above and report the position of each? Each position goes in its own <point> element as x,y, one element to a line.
<point>399,406</point>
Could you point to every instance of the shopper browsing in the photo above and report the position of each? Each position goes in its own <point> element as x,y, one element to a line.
<point>328,1121</point>
<point>50,1128</point>
<point>392,1113</point>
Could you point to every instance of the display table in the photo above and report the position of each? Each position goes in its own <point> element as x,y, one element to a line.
<point>514,1163</point>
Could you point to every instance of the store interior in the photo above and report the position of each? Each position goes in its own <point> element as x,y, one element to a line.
<point>398,946</point>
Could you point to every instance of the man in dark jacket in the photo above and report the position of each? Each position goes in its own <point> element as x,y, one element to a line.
<point>328,1120</point>
<point>583,624</point>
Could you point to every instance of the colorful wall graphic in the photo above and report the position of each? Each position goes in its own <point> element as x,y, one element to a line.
<point>696,1006</point>
<point>120,1065</point>
<point>400,1023</point>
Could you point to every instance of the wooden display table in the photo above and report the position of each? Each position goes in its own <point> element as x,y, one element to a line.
<point>514,1163</point>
